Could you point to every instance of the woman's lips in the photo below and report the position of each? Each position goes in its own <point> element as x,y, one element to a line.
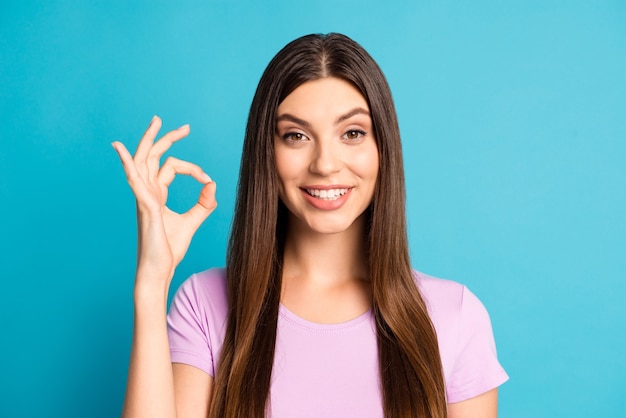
<point>327,194</point>
<point>326,197</point>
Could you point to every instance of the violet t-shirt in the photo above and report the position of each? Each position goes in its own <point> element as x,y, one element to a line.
<point>331,370</point>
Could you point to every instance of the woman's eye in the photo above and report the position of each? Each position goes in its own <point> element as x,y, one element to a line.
<point>354,134</point>
<point>294,137</point>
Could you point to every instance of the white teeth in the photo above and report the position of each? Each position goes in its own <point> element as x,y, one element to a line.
<point>331,194</point>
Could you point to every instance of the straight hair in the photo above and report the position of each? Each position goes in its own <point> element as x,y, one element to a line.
<point>410,367</point>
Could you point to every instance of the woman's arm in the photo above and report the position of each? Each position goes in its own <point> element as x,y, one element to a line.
<point>192,391</point>
<point>154,386</point>
<point>150,386</point>
<point>482,406</point>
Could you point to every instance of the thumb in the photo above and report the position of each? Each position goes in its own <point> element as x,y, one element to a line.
<point>206,204</point>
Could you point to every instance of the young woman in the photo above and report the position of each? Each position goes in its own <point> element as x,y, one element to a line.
<point>318,313</point>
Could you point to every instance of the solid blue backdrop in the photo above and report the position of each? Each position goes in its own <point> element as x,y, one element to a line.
<point>513,121</point>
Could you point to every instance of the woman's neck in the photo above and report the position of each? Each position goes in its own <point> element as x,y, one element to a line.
<point>326,258</point>
<point>325,276</point>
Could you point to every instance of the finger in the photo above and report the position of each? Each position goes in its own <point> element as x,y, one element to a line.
<point>127,160</point>
<point>142,194</point>
<point>174,166</point>
<point>207,197</point>
<point>162,145</point>
<point>166,141</point>
<point>145,144</point>
<point>206,204</point>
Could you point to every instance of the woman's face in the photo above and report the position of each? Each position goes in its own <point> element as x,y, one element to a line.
<point>326,154</point>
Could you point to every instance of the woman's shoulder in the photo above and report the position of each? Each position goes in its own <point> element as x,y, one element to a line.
<point>466,343</point>
<point>211,279</point>
<point>197,320</point>
<point>439,292</point>
<point>204,290</point>
<point>449,301</point>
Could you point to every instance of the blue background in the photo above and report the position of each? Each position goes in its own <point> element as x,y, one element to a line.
<point>513,115</point>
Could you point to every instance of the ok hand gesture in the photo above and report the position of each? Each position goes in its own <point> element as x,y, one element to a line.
<point>163,235</point>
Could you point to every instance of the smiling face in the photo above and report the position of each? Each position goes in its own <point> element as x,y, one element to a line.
<point>326,155</point>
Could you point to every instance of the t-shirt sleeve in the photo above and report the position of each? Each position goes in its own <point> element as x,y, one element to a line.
<point>189,338</point>
<point>476,369</point>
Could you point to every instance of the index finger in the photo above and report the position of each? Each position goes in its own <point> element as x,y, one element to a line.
<point>174,166</point>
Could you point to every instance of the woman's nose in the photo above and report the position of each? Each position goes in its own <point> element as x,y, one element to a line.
<point>326,158</point>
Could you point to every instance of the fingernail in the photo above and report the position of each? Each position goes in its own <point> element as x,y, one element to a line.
<point>185,126</point>
<point>153,119</point>
<point>206,178</point>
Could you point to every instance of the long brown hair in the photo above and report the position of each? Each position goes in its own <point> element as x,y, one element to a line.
<point>409,362</point>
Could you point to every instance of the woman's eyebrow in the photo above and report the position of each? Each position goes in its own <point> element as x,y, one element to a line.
<point>353,112</point>
<point>291,118</point>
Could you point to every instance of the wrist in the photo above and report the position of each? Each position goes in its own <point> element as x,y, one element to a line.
<point>151,289</point>
<point>150,302</point>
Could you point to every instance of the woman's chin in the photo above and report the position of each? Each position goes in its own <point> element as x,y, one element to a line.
<point>331,225</point>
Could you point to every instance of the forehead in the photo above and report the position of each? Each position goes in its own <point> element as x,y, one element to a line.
<point>324,96</point>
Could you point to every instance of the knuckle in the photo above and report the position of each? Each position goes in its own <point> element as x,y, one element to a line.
<point>208,205</point>
<point>153,157</point>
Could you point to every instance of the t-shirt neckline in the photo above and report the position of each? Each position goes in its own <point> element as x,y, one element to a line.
<point>291,317</point>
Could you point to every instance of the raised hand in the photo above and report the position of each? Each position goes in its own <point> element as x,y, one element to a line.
<point>164,235</point>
